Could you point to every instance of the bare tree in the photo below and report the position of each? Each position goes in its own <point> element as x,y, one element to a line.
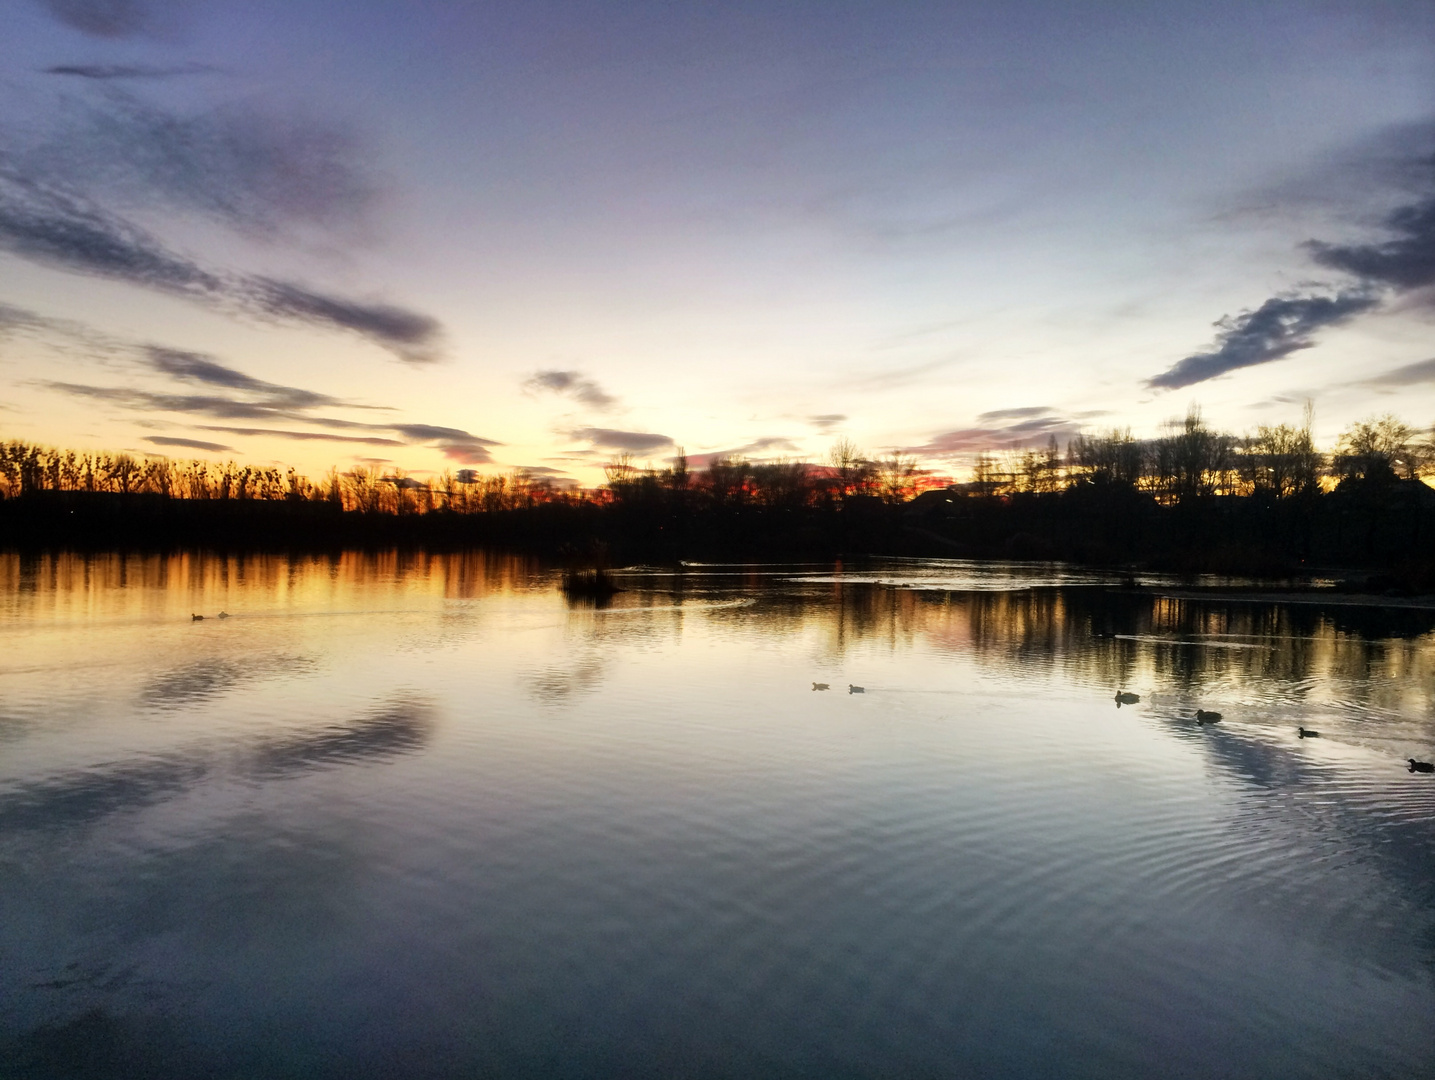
<point>1379,446</point>
<point>1110,458</point>
<point>1282,459</point>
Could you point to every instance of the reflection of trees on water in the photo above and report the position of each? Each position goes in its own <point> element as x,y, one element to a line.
<point>1374,658</point>
<point>1371,658</point>
<point>37,581</point>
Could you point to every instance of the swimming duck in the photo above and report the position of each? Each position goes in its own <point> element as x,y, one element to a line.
<point>1421,766</point>
<point>1126,699</point>
<point>224,614</point>
<point>856,689</point>
<point>820,686</point>
<point>1306,733</point>
<point>196,618</point>
<point>1204,717</point>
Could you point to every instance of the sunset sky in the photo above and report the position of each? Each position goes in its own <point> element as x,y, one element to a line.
<point>447,234</point>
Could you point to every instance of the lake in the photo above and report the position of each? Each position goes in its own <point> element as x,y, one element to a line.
<point>405,815</point>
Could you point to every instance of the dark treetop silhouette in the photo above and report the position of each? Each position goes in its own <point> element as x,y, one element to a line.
<point>1192,499</point>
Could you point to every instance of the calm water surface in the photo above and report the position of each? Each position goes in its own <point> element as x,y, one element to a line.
<point>416,816</point>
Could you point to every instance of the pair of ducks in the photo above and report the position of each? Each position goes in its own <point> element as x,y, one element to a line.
<point>850,688</point>
<point>1203,716</point>
<point>1415,766</point>
<point>200,618</point>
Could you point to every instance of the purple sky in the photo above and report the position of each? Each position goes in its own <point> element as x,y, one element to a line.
<point>451,234</point>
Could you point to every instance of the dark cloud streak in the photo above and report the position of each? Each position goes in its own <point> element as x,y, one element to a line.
<point>303,436</point>
<point>47,225</point>
<point>407,333</point>
<point>454,443</point>
<point>1405,262</point>
<point>189,444</point>
<point>106,72</point>
<point>1034,425</point>
<point>194,367</point>
<point>635,442</point>
<point>1279,327</point>
<point>573,383</point>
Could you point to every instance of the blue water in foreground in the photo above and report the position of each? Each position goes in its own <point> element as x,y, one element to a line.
<point>419,817</point>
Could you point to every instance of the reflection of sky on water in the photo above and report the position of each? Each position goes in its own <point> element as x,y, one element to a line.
<point>418,809</point>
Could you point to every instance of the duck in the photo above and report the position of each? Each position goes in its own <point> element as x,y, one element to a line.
<point>1421,766</point>
<point>224,615</point>
<point>1205,717</point>
<point>195,618</point>
<point>1306,733</point>
<point>821,686</point>
<point>1126,698</point>
<point>856,689</point>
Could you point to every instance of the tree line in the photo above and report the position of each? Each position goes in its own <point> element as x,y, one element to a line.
<point>1189,460</point>
<point>1192,498</point>
<point>1192,460</point>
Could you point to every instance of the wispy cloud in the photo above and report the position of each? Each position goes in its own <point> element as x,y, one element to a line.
<point>189,444</point>
<point>1405,261</point>
<point>826,421</point>
<point>302,436</point>
<point>1025,412</point>
<point>102,18</point>
<point>1279,327</point>
<point>408,334</point>
<point>195,404</point>
<point>46,224</point>
<point>107,72</point>
<point>574,384</point>
<point>259,172</point>
<point>635,442</point>
<point>1029,426</point>
<point>15,319</point>
<point>1422,371</point>
<point>197,368</point>
<point>757,447</point>
<point>455,444</point>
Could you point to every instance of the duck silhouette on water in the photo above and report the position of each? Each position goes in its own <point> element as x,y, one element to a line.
<point>1421,766</point>
<point>1203,716</point>
<point>856,689</point>
<point>1126,698</point>
<point>1306,733</point>
<point>821,686</point>
<point>196,618</point>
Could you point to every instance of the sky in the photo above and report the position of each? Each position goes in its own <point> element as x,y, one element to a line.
<point>438,234</point>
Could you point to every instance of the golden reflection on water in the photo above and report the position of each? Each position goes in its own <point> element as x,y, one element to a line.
<point>1254,654</point>
<point>1260,662</point>
<point>69,582</point>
